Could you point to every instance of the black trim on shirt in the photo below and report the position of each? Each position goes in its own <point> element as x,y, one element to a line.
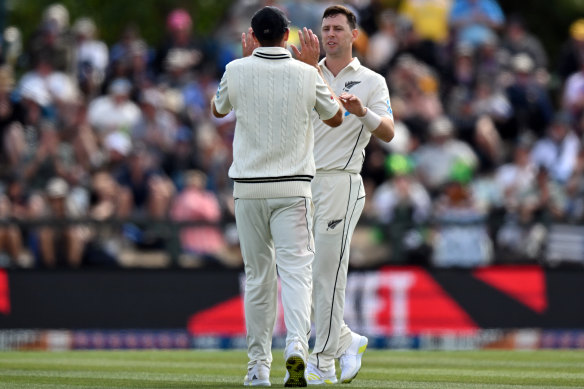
<point>261,180</point>
<point>271,56</point>
<point>354,147</point>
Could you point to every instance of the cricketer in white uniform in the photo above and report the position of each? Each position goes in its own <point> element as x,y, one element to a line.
<point>338,192</point>
<point>273,96</point>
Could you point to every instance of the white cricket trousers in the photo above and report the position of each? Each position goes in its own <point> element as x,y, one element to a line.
<point>339,199</point>
<point>276,231</point>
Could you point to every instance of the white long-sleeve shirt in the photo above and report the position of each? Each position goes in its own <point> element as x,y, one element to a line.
<point>273,96</point>
<point>559,158</point>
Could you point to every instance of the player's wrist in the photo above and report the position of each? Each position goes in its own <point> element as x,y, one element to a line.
<point>370,120</point>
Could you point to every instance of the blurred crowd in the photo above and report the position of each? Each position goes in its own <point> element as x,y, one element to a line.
<point>487,153</point>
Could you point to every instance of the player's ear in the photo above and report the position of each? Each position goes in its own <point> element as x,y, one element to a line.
<point>355,34</point>
<point>286,34</point>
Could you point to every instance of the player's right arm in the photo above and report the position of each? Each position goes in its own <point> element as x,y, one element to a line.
<point>309,53</point>
<point>215,113</point>
<point>336,120</point>
<point>327,106</point>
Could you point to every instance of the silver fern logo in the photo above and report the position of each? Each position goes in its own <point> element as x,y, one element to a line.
<point>349,85</point>
<point>333,223</point>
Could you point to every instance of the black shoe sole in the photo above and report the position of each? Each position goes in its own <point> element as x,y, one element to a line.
<point>295,366</point>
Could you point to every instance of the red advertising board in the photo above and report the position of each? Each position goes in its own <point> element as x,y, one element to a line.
<point>405,301</point>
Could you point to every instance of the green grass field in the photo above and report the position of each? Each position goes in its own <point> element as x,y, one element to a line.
<point>226,369</point>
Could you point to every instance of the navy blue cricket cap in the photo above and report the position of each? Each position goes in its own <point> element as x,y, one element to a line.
<point>269,23</point>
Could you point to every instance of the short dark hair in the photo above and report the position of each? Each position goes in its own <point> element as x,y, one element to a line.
<point>269,25</point>
<point>340,9</point>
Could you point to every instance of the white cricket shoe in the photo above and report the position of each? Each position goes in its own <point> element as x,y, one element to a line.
<point>350,361</point>
<point>315,376</point>
<point>258,375</point>
<point>295,357</point>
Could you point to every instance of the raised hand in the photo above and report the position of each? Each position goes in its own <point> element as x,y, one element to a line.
<point>309,52</point>
<point>248,43</point>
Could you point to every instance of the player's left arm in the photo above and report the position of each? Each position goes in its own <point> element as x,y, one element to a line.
<point>385,131</point>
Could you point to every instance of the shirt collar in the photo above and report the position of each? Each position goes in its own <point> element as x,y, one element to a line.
<point>354,64</point>
<point>272,53</point>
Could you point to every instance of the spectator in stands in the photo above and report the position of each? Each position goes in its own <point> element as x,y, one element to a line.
<point>417,86</point>
<point>461,93</point>
<point>48,87</point>
<point>572,51</point>
<point>383,44</point>
<point>402,205</point>
<point>488,99</point>
<point>518,175</point>
<point>487,144</point>
<point>11,247</point>
<point>151,190</point>
<point>47,160</point>
<point>131,58</point>
<point>139,67</point>
<point>12,113</point>
<point>461,236</point>
<point>52,39</point>
<point>532,107</point>
<point>532,199</point>
<point>111,202</point>
<point>110,199</point>
<point>575,191</point>
<point>436,159</point>
<point>544,202</point>
<point>429,18</point>
<point>32,88</point>
<point>90,57</point>
<point>463,69</point>
<point>518,236</point>
<point>410,44</point>
<point>490,62</point>
<point>517,39</point>
<point>157,127</point>
<point>114,111</point>
<point>183,156</point>
<point>476,21</point>
<point>573,94</point>
<point>75,131</point>
<point>57,14</point>
<point>57,245</point>
<point>179,45</point>
<point>558,151</point>
<point>117,147</point>
<point>195,203</point>
<point>18,193</point>
<point>122,48</point>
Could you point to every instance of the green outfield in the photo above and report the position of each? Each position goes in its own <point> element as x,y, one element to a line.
<point>226,369</point>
